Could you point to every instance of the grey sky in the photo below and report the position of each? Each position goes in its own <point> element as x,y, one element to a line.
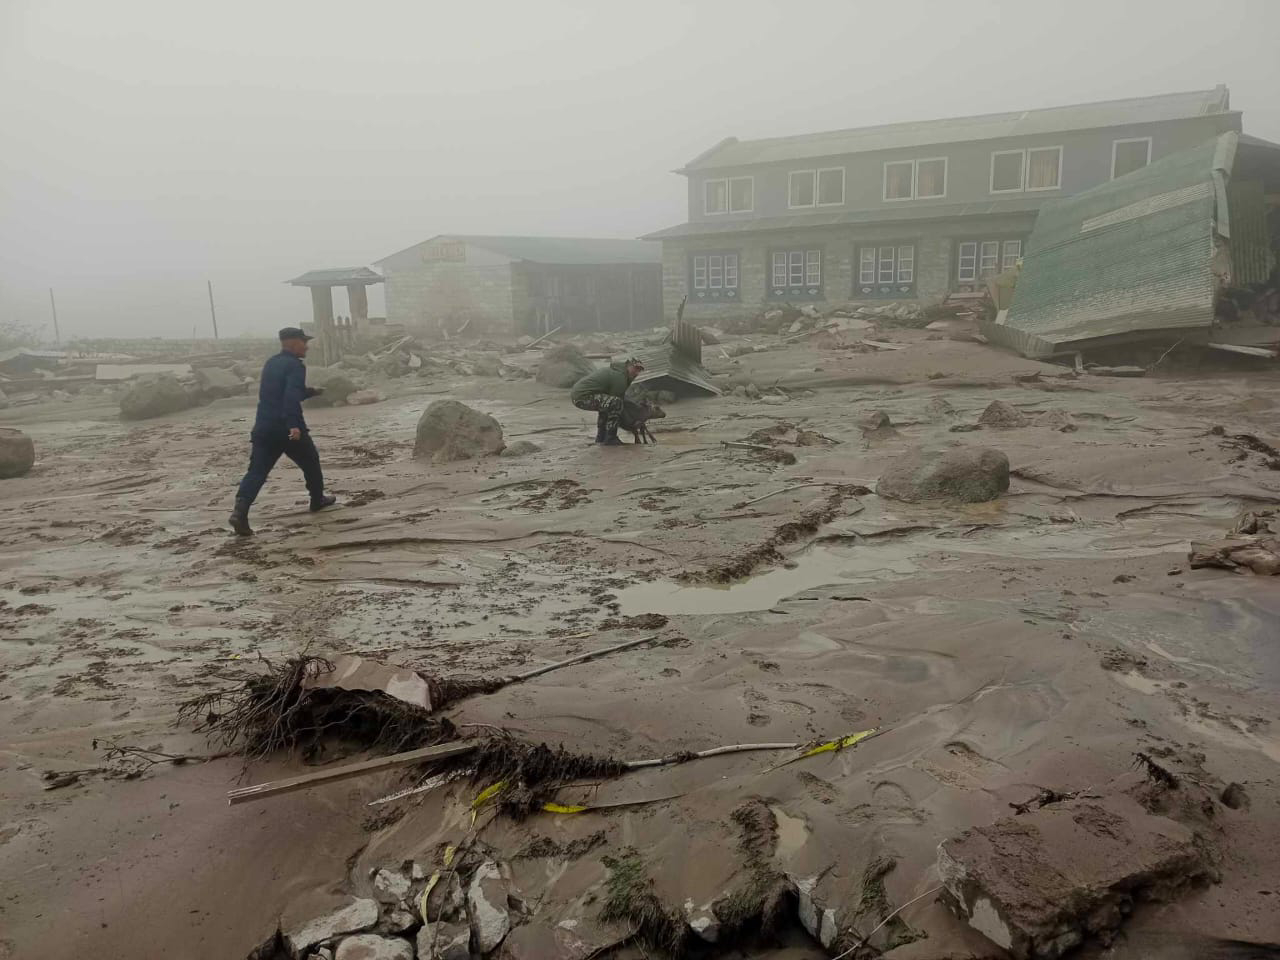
<point>147,146</point>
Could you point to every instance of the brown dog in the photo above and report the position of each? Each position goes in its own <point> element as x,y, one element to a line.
<point>635,418</point>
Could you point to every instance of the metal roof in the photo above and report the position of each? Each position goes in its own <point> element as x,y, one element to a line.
<point>1132,256</point>
<point>593,251</point>
<point>667,366</point>
<point>942,211</point>
<point>337,277</point>
<point>992,126</point>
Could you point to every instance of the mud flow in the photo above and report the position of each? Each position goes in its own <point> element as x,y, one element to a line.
<point>957,725</point>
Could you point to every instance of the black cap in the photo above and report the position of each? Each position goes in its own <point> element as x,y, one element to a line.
<point>294,333</point>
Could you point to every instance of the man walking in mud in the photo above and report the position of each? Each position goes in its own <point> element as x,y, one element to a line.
<point>279,429</point>
<point>602,390</point>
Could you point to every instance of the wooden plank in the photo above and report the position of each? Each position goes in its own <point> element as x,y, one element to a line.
<point>274,788</point>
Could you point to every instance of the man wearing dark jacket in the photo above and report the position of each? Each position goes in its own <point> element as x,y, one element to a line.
<point>602,390</point>
<point>279,429</point>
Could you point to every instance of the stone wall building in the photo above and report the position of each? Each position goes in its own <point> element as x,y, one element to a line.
<point>906,211</point>
<point>524,284</point>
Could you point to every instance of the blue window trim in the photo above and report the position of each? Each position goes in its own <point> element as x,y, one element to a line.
<point>711,283</point>
<point>799,275</point>
<point>904,269</point>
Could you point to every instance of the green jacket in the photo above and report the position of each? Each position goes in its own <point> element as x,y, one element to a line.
<point>611,380</point>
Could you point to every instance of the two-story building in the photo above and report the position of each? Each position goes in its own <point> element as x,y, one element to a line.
<point>905,211</point>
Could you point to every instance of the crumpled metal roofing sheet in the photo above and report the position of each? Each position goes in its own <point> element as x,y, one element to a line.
<point>1130,256</point>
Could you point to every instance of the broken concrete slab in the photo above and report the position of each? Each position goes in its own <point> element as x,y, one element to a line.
<point>444,941</point>
<point>359,914</point>
<point>1040,884</point>
<point>17,453</point>
<point>449,430</point>
<point>487,907</point>
<point>968,474</point>
<point>370,946</point>
<point>218,382</point>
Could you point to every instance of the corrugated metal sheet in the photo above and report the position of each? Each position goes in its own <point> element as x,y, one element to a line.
<point>943,211</point>
<point>668,368</point>
<point>992,126</point>
<point>1132,256</point>
<point>1251,258</point>
<point>337,277</point>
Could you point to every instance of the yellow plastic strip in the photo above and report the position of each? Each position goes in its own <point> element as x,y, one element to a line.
<point>849,741</point>
<point>422,901</point>
<point>563,808</point>
<point>487,794</point>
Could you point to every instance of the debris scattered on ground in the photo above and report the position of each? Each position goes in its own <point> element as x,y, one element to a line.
<point>521,448</point>
<point>1040,884</point>
<point>563,366</point>
<point>1259,555</point>
<point>154,397</point>
<point>968,474</point>
<point>359,398</point>
<point>358,915</point>
<point>449,430</point>
<point>336,384</point>
<point>17,453</point>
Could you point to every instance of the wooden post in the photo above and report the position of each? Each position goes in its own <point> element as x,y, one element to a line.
<point>57,337</point>
<point>359,301</point>
<point>213,315</point>
<point>322,316</point>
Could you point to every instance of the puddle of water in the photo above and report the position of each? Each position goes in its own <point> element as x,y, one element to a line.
<point>818,567</point>
<point>792,834</point>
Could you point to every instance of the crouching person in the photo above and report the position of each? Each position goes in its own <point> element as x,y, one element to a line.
<point>602,391</point>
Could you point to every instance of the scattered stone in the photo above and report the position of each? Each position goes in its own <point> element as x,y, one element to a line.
<point>487,907</point>
<point>444,941</point>
<point>1235,797</point>
<point>1261,555</point>
<point>968,474</point>
<point>703,922</point>
<point>1039,884</point>
<point>774,398</point>
<point>521,448</point>
<point>370,946</point>
<point>710,335</point>
<point>810,311</point>
<point>563,366</point>
<point>938,407</point>
<point>397,919</point>
<point>449,430</point>
<point>446,900</point>
<point>17,453</point>
<point>390,886</point>
<point>876,425</point>
<point>154,397</point>
<point>817,918</point>
<point>1058,420</point>
<point>361,397</point>
<point>1001,414</point>
<point>335,383</point>
<point>358,915</point>
<point>218,382</point>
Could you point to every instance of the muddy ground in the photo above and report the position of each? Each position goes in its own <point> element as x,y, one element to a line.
<point>1034,642</point>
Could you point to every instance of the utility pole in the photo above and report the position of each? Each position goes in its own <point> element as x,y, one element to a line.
<point>57,337</point>
<point>212,313</point>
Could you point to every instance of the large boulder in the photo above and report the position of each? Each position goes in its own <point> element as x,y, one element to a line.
<point>335,383</point>
<point>218,382</point>
<point>969,474</point>
<point>370,946</point>
<point>449,430</point>
<point>17,453</point>
<point>1001,414</point>
<point>154,397</point>
<point>563,366</point>
<point>357,915</point>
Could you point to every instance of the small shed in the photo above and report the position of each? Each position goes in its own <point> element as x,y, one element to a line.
<point>321,283</point>
<point>511,284</point>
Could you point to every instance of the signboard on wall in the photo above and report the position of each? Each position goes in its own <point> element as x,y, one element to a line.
<point>445,251</point>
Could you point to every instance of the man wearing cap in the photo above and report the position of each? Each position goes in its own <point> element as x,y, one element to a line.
<point>602,390</point>
<point>279,429</point>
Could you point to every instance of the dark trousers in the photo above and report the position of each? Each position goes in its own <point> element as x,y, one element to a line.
<point>268,445</point>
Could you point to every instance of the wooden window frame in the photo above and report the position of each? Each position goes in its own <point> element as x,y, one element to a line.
<point>972,249</point>
<point>813,180</point>
<point>892,264</point>
<point>1114,151</point>
<point>799,263</point>
<point>703,273</point>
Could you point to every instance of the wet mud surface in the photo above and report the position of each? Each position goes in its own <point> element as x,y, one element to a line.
<point>1035,642</point>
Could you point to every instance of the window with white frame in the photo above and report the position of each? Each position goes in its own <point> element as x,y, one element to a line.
<point>1036,168</point>
<point>886,270</point>
<point>802,188</point>
<point>795,274</point>
<point>922,179</point>
<point>728,195</point>
<point>713,276</point>
<point>830,186</point>
<point>1129,155</point>
<point>978,259</point>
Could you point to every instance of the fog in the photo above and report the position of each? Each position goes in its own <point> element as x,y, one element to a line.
<point>146,147</point>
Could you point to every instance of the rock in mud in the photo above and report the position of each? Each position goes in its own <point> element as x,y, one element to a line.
<point>968,474</point>
<point>1001,414</point>
<point>218,382</point>
<point>444,941</point>
<point>1058,420</point>
<point>1040,884</point>
<point>487,907</point>
<point>815,916</point>
<point>563,366</point>
<point>154,397</point>
<point>1261,555</point>
<point>938,407</point>
<point>362,397</point>
<point>521,448</point>
<point>390,886</point>
<point>359,914</point>
<point>335,383</point>
<point>17,453</point>
<point>370,946</point>
<point>449,430</point>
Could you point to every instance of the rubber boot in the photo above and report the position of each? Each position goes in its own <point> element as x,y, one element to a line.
<point>611,439</point>
<point>322,502</point>
<point>239,518</point>
<point>600,433</point>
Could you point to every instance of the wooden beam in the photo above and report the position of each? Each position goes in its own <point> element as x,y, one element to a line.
<point>333,774</point>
